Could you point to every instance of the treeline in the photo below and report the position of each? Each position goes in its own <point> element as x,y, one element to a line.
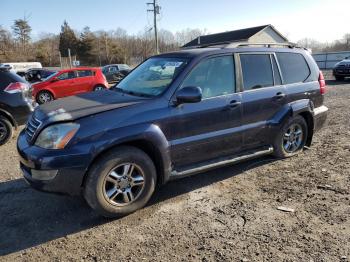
<point>335,46</point>
<point>90,48</point>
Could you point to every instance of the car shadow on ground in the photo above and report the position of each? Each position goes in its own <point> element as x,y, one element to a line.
<point>30,218</point>
<point>336,82</point>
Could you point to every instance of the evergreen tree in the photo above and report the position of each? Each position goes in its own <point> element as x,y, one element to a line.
<point>21,30</point>
<point>67,40</point>
<point>86,44</point>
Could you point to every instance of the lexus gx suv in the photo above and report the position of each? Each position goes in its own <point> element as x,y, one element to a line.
<point>176,114</point>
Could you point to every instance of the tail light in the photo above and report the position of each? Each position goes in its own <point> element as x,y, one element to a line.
<point>322,83</point>
<point>16,87</point>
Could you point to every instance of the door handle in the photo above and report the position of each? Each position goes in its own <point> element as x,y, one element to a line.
<point>280,95</point>
<point>234,103</point>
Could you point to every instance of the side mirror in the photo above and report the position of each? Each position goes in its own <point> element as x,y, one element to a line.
<point>55,79</point>
<point>188,94</point>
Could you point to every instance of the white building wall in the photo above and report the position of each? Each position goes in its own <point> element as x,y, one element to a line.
<point>267,35</point>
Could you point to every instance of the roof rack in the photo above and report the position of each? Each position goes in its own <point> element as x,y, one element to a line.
<point>245,44</point>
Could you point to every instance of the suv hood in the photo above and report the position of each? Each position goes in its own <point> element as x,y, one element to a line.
<point>74,107</point>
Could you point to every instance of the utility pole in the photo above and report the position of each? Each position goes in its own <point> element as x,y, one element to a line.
<point>155,9</point>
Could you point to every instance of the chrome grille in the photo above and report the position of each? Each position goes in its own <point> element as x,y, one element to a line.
<point>32,126</point>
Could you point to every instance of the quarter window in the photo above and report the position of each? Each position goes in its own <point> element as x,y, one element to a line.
<point>215,76</point>
<point>256,70</point>
<point>294,67</point>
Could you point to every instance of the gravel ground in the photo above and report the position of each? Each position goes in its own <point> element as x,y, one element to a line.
<point>229,214</point>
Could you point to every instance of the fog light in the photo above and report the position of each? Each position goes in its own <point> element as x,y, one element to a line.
<point>44,174</point>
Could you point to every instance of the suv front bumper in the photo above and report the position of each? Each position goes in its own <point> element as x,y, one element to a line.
<point>59,171</point>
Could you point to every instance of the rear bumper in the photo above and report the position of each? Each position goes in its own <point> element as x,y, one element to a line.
<point>320,117</point>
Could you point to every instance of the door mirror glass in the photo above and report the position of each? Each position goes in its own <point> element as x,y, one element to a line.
<point>189,94</point>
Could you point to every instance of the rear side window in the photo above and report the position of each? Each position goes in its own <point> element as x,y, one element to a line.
<point>294,67</point>
<point>83,73</point>
<point>256,70</point>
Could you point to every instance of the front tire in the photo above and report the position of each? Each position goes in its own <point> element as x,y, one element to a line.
<point>44,97</point>
<point>292,138</point>
<point>120,182</point>
<point>6,130</point>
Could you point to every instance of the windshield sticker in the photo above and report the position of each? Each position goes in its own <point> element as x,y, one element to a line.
<point>175,64</point>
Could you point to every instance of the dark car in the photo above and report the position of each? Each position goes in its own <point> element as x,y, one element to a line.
<point>176,114</point>
<point>15,103</point>
<point>342,69</point>
<point>116,72</point>
<point>37,74</point>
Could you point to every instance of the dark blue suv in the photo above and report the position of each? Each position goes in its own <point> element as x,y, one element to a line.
<point>176,114</point>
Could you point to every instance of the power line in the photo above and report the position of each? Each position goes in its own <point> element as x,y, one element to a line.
<point>155,9</point>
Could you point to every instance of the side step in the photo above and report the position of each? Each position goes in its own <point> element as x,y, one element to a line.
<point>220,162</point>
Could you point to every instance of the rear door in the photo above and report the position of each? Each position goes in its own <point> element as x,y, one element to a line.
<point>85,81</point>
<point>297,77</point>
<point>263,96</point>
<point>208,129</point>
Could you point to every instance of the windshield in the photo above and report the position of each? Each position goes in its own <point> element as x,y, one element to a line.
<point>50,76</point>
<point>152,77</point>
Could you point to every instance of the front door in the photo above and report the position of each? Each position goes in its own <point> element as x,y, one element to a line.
<point>66,86</point>
<point>208,129</point>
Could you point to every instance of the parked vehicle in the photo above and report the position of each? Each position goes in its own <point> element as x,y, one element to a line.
<point>21,67</point>
<point>174,115</point>
<point>37,74</point>
<point>115,73</point>
<point>69,82</point>
<point>342,69</point>
<point>15,104</point>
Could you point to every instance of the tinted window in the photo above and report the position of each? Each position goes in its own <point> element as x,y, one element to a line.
<point>215,76</point>
<point>66,75</point>
<point>83,73</point>
<point>276,73</point>
<point>294,67</point>
<point>256,70</point>
<point>113,69</point>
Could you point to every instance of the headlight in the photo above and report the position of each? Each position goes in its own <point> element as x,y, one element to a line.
<point>57,136</point>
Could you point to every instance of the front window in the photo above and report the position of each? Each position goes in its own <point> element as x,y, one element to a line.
<point>66,75</point>
<point>153,76</point>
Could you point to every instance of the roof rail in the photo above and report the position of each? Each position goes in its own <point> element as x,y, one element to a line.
<point>245,44</point>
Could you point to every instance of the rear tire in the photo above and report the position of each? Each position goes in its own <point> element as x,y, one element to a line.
<point>6,130</point>
<point>292,138</point>
<point>99,88</point>
<point>120,182</point>
<point>44,97</point>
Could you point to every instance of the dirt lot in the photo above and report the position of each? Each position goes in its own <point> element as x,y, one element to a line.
<point>229,214</point>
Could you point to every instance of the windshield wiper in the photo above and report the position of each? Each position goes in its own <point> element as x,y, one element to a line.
<point>133,93</point>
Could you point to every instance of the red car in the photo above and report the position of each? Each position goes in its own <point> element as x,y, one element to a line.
<point>69,82</point>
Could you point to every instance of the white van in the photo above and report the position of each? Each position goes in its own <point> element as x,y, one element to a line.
<point>21,67</point>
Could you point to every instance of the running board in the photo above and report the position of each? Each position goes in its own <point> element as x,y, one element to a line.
<point>224,162</point>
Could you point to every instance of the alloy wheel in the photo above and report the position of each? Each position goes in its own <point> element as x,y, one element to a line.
<point>293,138</point>
<point>123,184</point>
<point>44,97</point>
